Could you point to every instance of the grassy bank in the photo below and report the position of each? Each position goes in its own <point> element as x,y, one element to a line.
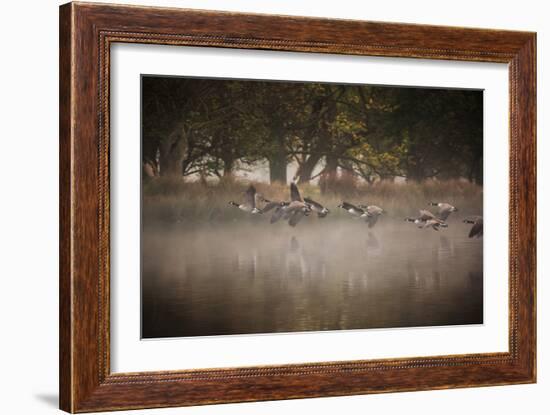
<point>173,200</point>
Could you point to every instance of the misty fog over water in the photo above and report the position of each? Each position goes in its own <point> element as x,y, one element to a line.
<point>249,276</point>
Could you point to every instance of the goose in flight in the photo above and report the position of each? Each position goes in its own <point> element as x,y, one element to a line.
<point>477,228</point>
<point>292,211</point>
<point>278,212</point>
<point>249,204</point>
<point>259,199</point>
<point>317,207</point>
<point>424,216</point>
<point>371,214</point>
<point>427,219</point>
<point>270,205</point>
<point>294,214</point>
<point>352,209</point>
<point>445,209</point>
<point>297,208</point>
<point>435,224</point>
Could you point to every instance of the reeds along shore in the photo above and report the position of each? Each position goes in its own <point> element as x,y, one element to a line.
<point>171,200</point>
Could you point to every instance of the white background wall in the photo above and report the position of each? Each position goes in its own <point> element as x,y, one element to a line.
<point>29,189</point>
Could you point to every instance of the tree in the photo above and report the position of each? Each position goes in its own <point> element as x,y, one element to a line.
<point>166,131</point>
<point>212,127</point>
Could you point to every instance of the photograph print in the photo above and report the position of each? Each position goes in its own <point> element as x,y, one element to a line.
<point>283,206</point>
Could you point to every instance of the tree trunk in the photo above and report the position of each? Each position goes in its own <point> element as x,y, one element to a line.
<point>277,168</point>
<point>172,153</point>
<point>228,165</point>
<point>277,159</point>
<point>329,177</point>
<point>415,172</point>
<point>203,176</point>
<point>305,170</point>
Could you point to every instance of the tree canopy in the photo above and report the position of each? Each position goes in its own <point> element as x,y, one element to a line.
<point>211,127</point>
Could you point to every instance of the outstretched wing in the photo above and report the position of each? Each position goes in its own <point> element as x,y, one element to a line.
<point>270,206</point>
<point>426,215</point>
<point>432,223</point>
<point>290,209</point>
<point>477,229</point>
<point>296,217</point>
<point>278,214</point>
<point>371,220</point>
<point>295,193</point>
<point>444,213</point>
<point>375,210</point>
<point>250,197</point>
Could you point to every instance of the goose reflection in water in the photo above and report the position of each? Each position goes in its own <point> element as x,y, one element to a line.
<point>445,248</point>
<point>248,263</point>
<point>422,278</point>
<point>296,264</point>
<point>373,245</point>
<point>294,245</point>
<point>233,279</point>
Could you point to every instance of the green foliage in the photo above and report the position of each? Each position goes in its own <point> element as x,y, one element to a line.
<point>210,126</point>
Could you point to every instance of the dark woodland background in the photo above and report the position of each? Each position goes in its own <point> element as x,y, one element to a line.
<point>210,128</point>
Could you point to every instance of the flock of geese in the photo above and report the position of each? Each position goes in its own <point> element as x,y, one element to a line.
<point>295,209</point>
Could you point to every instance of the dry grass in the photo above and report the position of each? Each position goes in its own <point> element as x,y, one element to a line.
<point>173,200</point>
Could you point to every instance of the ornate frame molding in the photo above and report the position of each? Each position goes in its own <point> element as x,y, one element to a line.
<point>86,34</point>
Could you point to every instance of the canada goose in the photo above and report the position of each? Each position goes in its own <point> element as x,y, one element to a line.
<point>371,214</point>
<point>445,209</point>
<point>317,207</point>
<point>296,216</point>
<point>351,209</point>
<point>249,204</point>
<point>427,219</point>
<point>292,211</point>
<point>259,199</point>
<point>279,211</point>
<point>297,208</point>
<point>424,216</point>
<point>477,229</point>
<point>435,224</point>
<point>271,205</point>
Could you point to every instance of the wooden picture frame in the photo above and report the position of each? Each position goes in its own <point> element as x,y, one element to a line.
<point>86,33</point>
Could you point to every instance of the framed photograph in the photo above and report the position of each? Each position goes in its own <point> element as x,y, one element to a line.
<point>258,207</point>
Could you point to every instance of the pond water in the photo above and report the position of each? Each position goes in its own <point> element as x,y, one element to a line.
<point>252,277</point>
